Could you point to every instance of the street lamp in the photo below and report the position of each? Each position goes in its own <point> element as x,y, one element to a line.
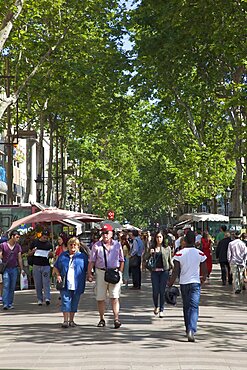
<point>39,188</point>
<point>228,193</point>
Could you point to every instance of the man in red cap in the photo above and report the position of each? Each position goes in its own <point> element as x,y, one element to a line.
<point>106,253</point>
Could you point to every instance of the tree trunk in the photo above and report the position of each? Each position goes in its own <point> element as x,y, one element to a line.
<point>49,181</point>
<point>237,193</point>
<point>29,145</point>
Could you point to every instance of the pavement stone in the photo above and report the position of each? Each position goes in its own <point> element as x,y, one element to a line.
<point>31,337</point>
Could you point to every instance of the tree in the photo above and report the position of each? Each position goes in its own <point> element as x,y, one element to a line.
<point>189,59</point>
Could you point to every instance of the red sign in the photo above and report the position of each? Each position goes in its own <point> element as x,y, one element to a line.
<point>110,215</point>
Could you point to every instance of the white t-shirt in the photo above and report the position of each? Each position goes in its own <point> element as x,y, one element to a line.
<point>71,276</point>
<point>189,259</point>
<point>198,238</point>
<point>177,243</point>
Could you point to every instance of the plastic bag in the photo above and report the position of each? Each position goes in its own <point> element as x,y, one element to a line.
<point>23,282</point>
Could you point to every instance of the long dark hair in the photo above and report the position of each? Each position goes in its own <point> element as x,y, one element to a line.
<point>155,241</point>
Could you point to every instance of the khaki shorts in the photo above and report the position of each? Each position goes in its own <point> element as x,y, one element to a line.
<point>102,287</point>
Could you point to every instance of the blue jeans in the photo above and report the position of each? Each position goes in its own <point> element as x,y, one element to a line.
<point>41,277</point>
<point>70,300</point>
<point>191,299</point>
<point>159,281</point>
<point>9,282</point>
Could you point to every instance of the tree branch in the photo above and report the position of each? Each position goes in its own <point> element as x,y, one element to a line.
<point>7,22</point>
<point>191,118</point>
<point>4,101</point>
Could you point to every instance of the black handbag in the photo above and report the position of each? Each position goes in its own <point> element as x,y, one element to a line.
<point>112,276</point>
<point>133,261</point>
<point>171,294</point>
<point>151,263</point>
<point>61,284</point>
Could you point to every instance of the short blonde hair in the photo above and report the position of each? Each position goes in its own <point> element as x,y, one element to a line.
<point>73,240</point>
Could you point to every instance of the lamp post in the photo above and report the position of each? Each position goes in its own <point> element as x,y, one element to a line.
<point>39,189</point>
<point>228,193</point>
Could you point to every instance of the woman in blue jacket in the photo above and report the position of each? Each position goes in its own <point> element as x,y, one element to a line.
<point>70,268</point>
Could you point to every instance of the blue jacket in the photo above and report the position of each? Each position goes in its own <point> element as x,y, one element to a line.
<point>80,268</point>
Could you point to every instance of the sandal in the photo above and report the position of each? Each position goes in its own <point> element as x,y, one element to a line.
<point>72,323</point>
<point>101,323</point>
<point>117,324</point>
<point>65,324</point>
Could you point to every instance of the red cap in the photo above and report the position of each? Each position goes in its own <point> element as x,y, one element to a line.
<point>107,227</point>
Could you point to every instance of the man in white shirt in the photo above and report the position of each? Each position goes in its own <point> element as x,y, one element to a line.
<point>180,234</point>
<point>188,261</point>
<point>236,255</point>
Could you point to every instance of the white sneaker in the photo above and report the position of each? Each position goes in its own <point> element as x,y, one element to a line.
<point>40,302</point>
<point>162,314</point>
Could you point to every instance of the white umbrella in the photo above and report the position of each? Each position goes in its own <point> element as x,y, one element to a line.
<point>130,227</point>
<point>115,224</point>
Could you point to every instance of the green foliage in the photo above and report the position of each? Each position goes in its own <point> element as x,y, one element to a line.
<point>147,130</point>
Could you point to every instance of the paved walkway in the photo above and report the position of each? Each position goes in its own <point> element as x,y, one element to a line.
<point>31,337</point>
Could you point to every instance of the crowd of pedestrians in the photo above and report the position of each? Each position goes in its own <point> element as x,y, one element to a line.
<point>114,260</point>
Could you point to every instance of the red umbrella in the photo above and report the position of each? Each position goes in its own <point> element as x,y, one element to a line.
<point>54,215</point>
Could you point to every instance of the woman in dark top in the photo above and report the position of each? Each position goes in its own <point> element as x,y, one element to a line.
<point>41,250</point>
<point>159,276</point>
<point>10,253</point>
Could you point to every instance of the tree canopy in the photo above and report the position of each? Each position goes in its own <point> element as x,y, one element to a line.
<point>148,129</point>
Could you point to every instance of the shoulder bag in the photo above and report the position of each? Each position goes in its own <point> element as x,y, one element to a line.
<point>133,261</point>
<point>151,263</point>
<point>112,276</point>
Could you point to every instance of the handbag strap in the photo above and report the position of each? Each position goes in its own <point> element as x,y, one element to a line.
<point>104,255</point>
<point>11,251</point>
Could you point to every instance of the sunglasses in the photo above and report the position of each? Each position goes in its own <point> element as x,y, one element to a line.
<point>105,232</point>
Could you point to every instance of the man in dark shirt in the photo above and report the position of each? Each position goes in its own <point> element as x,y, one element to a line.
<point>221,254</point>
<point>41,250</point>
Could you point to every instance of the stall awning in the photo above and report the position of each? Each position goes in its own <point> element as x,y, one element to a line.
<point>202,217</point>
<point>181,224</point>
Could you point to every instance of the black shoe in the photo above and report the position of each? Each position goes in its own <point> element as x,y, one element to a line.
<point>47,302</point>
<point>238,291</point>
<point>243,287</point>
<point>101,323</point>
<point>117,324</point>
<point>190,336</point>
